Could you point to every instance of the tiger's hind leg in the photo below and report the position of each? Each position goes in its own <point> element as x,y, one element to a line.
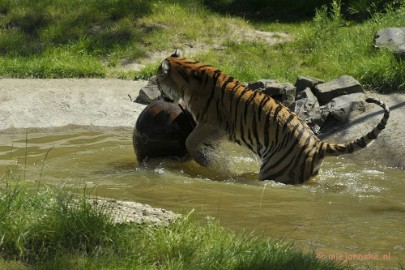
<point>201,142</point>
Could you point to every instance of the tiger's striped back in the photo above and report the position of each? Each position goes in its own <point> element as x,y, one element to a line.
<point>290,152</point>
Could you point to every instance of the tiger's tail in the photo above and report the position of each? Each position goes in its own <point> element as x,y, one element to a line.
<point>360,143</point>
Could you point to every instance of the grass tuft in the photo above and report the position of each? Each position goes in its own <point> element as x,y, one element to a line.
<point>37,226</point>
<point>52,229</point>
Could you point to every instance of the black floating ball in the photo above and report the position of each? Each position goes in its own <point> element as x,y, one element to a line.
<point>161,130</point>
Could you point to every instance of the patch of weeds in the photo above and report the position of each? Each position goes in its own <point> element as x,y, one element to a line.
<point>48,229</point>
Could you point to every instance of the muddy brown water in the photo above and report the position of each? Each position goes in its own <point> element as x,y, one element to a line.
<point>350,211</point>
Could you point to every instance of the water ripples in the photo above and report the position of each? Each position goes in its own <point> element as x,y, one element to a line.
<point>348,207</point>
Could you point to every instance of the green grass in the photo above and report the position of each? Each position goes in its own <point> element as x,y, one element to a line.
<point>46,228</point>
<point>295,10</point>
<point>54,39</point>
<point>49,39</point>
<point>67,38</point>
<point>337,47</point>
<point>326,47</point>
<point>53,63</point>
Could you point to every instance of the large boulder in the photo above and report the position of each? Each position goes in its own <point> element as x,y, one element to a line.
<point>344,85</point>
<point>306,106</point>
<point>345,108</point>
<point>148,93</point>
<point>392,39</point>
<point>283,92</point>
<point>304,82</point>
<point>400,52</point>
<point>161,130</point>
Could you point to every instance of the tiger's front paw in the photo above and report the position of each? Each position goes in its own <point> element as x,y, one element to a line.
<point>200,158</point>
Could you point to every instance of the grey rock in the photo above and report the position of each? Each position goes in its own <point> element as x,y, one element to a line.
<point>306,102</point>
<point>390,38</point>
<point>148,93</point>
<point>283,92</point>
<point>400,52</point>
<point>344,85</point>
<point>318,119</point>
<point>306,82</point>
<point>344,108</point>
<point>307,93</point>
<point>131,212</point>
<point>315,118</point>
<point>260,85</point>
<point>308,109</point>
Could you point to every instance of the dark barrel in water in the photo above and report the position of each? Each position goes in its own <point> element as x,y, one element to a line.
<point>161,130</point>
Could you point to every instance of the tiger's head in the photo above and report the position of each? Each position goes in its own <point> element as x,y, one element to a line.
<point>167,83</point>
<point>180,78</point>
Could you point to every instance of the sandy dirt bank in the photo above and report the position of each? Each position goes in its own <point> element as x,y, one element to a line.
<point>36,103</point>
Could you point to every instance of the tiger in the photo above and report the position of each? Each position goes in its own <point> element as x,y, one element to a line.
<point>288,149</point>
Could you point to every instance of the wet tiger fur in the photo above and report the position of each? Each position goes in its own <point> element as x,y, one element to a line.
<point>290,152</point>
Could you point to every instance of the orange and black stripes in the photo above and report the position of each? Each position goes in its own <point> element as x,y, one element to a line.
<point>289,150</point>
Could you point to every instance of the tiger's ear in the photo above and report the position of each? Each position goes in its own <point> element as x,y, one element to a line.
<point>177,53</point>
<point>165,67</point>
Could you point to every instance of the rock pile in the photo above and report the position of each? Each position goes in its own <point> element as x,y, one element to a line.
<point>322,105</point>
